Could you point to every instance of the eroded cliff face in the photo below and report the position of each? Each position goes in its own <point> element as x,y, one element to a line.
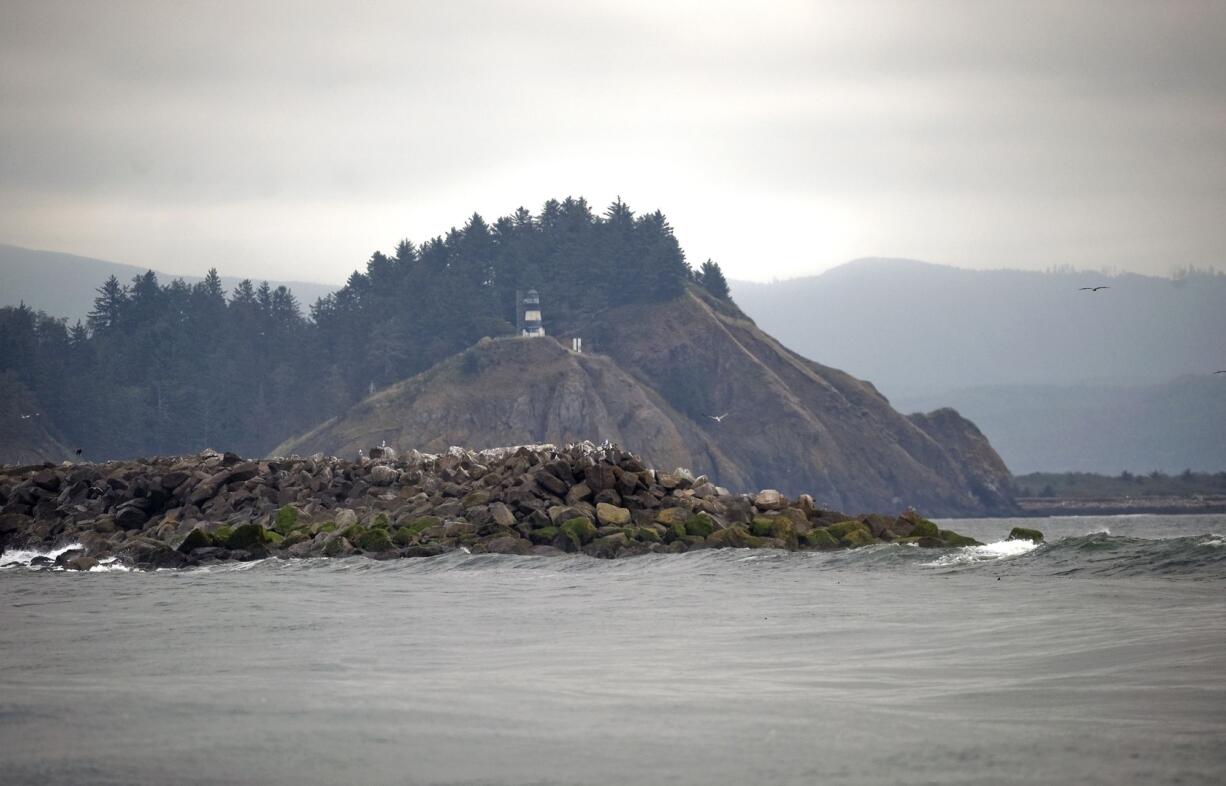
<point>659,374</point>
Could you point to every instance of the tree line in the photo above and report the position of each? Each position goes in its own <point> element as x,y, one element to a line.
<point>173,368</point>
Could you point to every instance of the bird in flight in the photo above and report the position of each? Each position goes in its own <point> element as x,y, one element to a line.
<point>719,418</point>
<point>27,417</point>
<point>1093,289</point>
<point>1223,371</point>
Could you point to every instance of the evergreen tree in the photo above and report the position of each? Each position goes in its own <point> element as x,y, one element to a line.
<point>712,280</point>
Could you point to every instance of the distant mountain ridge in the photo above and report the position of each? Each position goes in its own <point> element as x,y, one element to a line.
<point>1057,378</point>
<point>916,327</point>
<point>64,285</point>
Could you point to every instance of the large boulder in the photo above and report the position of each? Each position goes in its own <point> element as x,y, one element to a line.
<point>769,499</point>
<point>611,515</point>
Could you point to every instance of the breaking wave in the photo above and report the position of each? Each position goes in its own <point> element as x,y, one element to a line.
<point>1095,554</point>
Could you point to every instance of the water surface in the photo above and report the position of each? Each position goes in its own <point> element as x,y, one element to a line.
<point>1098,658</point>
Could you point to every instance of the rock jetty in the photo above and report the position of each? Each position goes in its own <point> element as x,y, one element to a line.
<point>541,499</point>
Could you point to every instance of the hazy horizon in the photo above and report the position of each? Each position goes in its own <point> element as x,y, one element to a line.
<point>290,141</point>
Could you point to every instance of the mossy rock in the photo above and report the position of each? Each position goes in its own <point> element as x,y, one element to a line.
<point>196,539</point>
<point>338,547</point>
<point>404,537</point>
<point>647,535</point>
<point>245,536</point>
<point>294,538</point>
<point>381,522</point>
<point>674,532</point>
<point>841,530</point>
<point>670,516</point>
<point>286,520</point>
<point>925,529</point>
<point>375,539</point>
<point>820,539</point>
<point>424,523</point>
<point>353,533</point>
<point>762,526</point>
<point>736,537</point>
<point>857,537</point>
<point>543,536</point>
<point>952,538</point>
<point>701,525</point>
<point>1022,533</point>
<point>222,534</point>
<point>274,538</point>
<point>327,526</point>
<point>579,530</point>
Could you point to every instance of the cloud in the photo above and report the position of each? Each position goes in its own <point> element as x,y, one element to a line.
<point>267,137</point>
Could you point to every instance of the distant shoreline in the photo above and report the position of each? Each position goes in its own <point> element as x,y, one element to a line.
<point>1034,507</point>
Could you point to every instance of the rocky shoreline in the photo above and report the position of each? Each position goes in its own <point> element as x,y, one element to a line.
<point>545,500</point>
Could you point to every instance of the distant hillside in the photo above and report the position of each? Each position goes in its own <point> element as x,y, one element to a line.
<point>663,368</point>
<point>64,285</point>
<point>27,434</point>
<point>1058,379</point>
<point>916,328</point>
<point>1097,428</point>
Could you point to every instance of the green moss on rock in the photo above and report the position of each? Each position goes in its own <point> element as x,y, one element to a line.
<point>543,536</point>
<point>925,529</point>
<point>196,539</point>
<point>338,547</point>
<point>245,536</point>
<point>857,537</point>
<point>701,525</point>
<point>951,538</point>
<point>424,523</point>
<point>376,539</point>
<point>840,530</point>
<point>761,526</point>
<point>285,520</point>
<point>820,539</point>
<point>736,537</point>
<point>579,530</point>
<point>647,535</point>
<point>294,538</point>
<point>1023,533</point>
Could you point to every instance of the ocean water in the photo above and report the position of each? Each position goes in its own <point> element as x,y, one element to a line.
<point>1097,658</point>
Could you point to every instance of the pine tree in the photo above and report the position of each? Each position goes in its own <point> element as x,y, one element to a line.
<point>712,280</point>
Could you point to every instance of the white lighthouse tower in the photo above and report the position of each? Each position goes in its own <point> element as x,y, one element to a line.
<point>528,314</point>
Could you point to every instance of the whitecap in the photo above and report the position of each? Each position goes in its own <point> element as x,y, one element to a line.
<point>110,565</point>
<point>21,558</point>
<point>968,555</point>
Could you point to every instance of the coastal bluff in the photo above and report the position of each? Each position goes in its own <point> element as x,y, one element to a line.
<point>539,499</point>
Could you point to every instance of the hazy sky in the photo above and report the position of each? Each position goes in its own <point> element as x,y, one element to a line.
<point>291,139</point>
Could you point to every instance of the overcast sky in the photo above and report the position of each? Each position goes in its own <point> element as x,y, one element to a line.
<point>290,140</point>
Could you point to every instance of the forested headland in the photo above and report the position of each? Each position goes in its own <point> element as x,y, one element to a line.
<point>166,367</point>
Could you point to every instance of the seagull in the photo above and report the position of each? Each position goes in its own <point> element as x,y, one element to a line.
<point>27,417</point>
<point>1093,289</point>
<point>719,418</point>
